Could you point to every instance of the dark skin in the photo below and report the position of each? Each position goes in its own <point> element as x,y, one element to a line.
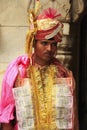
<point>44,51</point>
<point>9,126</point>
<point>6,126</point>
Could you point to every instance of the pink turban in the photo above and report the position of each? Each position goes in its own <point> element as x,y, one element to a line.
<point>48,25</point>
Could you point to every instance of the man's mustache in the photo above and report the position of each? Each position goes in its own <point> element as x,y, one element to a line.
<point>48,52</point>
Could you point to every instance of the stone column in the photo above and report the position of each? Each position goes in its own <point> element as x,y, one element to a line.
<point>77,9</point>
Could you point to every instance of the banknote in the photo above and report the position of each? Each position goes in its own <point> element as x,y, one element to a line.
<point>27,124</point>
<point>63,113</point>
<point>64,124</point>
<point>64,101</point>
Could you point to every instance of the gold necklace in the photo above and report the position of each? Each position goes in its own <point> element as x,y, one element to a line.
<point>42,90</point>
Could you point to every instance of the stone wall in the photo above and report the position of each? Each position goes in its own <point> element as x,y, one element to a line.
<point>13,28</point>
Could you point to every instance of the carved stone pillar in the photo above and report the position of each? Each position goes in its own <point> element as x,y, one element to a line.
<point>77,9</point>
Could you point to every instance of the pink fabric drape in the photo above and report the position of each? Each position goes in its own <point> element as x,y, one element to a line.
<point>7,101</point>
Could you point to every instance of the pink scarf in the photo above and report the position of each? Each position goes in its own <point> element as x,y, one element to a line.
<point>7,102</point>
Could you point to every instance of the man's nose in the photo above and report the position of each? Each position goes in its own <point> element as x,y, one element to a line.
<point>49,47</point>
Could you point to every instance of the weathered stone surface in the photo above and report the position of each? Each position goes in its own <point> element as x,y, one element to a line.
<point>12,41</point>
<point>77,9</point>
<point>66,28</point>
<point>13,12</point>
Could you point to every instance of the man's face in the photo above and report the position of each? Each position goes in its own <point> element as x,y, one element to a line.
<point>45,50</point>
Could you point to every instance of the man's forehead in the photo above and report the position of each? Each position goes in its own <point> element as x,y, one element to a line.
<point>47,40</point>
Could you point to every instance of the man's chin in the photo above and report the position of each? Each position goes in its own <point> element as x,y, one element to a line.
<point>48,58</point>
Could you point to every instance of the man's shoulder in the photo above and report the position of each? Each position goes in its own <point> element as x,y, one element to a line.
<point>20,60</point>
<point>62,70</point>
<point>58,63</point>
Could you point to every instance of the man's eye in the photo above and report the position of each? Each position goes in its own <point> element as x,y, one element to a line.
<point>54,43</point>
<point>44,43</point>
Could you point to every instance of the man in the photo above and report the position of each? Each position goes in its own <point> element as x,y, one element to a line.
<point>37,91</point>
